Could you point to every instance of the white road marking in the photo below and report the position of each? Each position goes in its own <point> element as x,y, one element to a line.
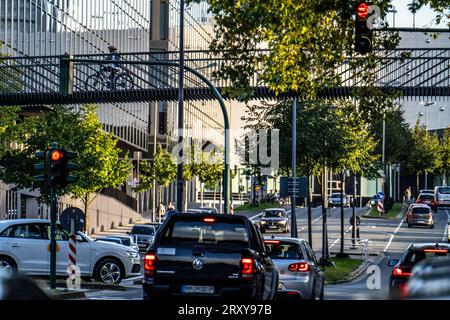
<point>393,235</point>
<point>445,236</point>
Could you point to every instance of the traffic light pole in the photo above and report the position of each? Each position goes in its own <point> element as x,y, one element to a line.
<point>52,237</point>
<point>294,233</point>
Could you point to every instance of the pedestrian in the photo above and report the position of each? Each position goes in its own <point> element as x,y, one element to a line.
<point>170,206</point>
<point>408,195</point>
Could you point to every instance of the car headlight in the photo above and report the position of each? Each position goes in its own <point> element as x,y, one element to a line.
<point>282,221</point>
<point>133,254</point>
<point>331,201</point>
<point>263,222</point>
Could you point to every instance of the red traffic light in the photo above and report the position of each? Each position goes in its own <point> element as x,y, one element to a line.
<point>362,11</point>
<point>56,155</point>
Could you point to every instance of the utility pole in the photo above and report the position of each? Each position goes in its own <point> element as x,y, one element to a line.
<point>294,233</point>
<point>180,111</point>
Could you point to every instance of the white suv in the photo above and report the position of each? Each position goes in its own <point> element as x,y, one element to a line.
<point>24,248</point>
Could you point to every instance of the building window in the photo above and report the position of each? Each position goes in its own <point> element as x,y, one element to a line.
<point>164,21</point>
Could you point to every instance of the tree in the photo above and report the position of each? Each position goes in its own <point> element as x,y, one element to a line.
<point>99,165</point>
<point>162,169</point>
<point>424,148</point>
<point>306,41</point>
<point>209,171</point>
<point>444,168</point>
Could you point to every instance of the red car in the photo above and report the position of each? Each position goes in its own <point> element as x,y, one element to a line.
<point>428,199</point>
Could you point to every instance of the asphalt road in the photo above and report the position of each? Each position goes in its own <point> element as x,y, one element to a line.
<point>387,238</point>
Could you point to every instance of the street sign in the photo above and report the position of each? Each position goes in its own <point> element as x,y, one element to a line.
<point>380,195</point>
<point>74,214</point>
<point>287,187</point>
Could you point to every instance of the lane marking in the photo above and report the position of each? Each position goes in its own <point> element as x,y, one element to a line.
<point>393,235</point>
<point>445,236</point>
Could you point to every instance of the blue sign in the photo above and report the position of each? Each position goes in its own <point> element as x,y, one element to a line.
<point>380,195</point>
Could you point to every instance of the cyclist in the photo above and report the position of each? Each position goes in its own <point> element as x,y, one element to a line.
<point>112,68</point>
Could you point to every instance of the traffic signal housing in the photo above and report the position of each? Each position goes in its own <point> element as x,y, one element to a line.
<point>61,166</point>
<point>41,167</point>
<point>363,34</point>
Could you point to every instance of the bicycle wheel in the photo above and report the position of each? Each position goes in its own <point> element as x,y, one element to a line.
<point>123,82</point>
<point>94,82</point>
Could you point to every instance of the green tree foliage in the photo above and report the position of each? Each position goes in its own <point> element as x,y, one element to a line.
<point>444,168</point>
<point>424,155</point>
<point>208,169</point>
<point>307,41</point>
<point>99,164</point>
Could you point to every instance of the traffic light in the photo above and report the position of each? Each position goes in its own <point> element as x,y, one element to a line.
<point>363,34</point>
<point>60,166</point>
<point>41,167</point>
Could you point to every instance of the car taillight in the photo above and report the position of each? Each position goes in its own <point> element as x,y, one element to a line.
<point>247,267</point>
<point>399,272</point>
<point>149,264</point>
<point>299,267</point>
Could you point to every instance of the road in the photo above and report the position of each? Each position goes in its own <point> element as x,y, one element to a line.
<point>388,238</point>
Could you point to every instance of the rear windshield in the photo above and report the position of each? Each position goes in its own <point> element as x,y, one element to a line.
<point>274,214</point>
<point>147,230</point>
<point>284,250</point>
<point>421,210</point>
<point>337,195</point>
<point>198,232</point>
<point>426,196</point>
<point>415,256</point>
<point>444,190</point>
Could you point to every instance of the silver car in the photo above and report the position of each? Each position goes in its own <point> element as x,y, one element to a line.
<point>143,234</point>
<point>299,273</point>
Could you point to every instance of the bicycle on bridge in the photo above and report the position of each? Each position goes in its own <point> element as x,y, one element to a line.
<point>111,76</point>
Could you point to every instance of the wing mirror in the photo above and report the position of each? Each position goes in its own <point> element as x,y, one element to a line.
<point>79,238</point>
<point>393,262</point>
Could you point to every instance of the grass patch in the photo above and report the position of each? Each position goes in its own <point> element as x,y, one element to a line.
<point>391,214</point>
<point>343,268</point>
<point>252,207</point>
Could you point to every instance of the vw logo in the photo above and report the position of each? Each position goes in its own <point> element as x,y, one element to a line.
<point>197,264</point>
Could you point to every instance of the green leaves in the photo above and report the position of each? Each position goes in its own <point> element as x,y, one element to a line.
<point>99,163</point>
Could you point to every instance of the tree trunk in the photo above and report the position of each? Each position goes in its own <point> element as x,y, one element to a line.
<point>85,201</point>
<point>185,195</point>
<point>309,211</point>
<point>341,251</point>
<point>160,203</point>
<point>417,182</point>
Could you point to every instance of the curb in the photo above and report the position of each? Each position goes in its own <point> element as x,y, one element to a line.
<point>355,273</point>
<point>68,295</point>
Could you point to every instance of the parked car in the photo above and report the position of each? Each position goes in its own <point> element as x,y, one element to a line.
<point>123,240</point>
<point>209,210</point>
<point>420,214</point>
<point>300,275</point>
<point>334,200</point>
<point>442,196</point>
<point>275,219</point>
<point>402,268</point>
<point>428,199</point>
<point>24,249</point>
<point>143,235</point>
<point>430,279</point>
<point>154,224</point>
<point>428,191</point>
<point>215,256</point>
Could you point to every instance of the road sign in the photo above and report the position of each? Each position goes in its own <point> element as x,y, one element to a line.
<point>70,214</point>
<point>287,187</point>
<point>380,195</point>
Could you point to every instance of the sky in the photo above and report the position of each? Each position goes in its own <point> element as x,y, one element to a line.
<point>404,18</point>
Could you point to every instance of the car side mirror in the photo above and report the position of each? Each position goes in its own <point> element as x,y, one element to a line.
<point>79,238</point>
<point>393,262</point>
<point>128,232</point>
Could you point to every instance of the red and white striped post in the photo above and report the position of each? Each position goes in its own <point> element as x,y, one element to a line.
<point>72,247</point>
<point>232,209</point>
<point>380,207</point>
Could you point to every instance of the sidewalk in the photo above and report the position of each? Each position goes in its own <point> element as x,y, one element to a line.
<point>122,230</point>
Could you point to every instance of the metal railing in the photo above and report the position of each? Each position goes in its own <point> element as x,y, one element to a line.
<point>412,71</point>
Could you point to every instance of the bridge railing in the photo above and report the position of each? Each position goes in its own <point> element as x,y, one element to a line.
<point>426,69</point>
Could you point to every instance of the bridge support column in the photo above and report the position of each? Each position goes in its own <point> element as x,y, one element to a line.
<point>66,74</point>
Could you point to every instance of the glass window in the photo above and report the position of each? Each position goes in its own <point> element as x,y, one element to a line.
<point>198,232</point>
<point>7,232</point>
<point>285,250</point>
<point>26,231</point>
<point>415,256</point>
<point>163,21</point>
<point>60,233</point>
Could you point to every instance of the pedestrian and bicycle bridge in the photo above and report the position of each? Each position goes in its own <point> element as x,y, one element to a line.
<point>153,76</point>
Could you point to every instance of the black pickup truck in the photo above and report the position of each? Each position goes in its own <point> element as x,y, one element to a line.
<point>214,255</point>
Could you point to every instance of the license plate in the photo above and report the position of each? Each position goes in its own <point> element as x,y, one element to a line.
<point>273,227</point>
<point>198,289</point>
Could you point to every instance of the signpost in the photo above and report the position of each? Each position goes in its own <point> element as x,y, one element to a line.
<point>287,187</point>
